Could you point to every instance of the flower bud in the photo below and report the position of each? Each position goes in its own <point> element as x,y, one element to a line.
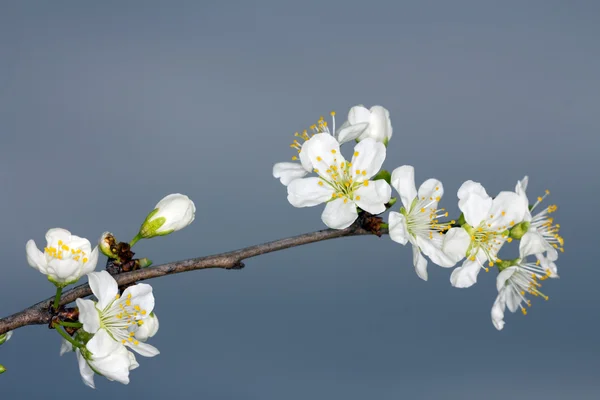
<point>365,123</point>
<point>4,337</point>
<point>519,230</point>
<point>174,212</point>
<point>2,369</point>
<point>108,245</point>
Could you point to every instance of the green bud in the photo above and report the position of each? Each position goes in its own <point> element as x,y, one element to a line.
<point>2,369</point>
<point>4,337</point>
<point>517,231</point>
<point>461,220</point>
<point>172,213</point>
<point>385,175</point>
<point>108,245</point>
<point>392,201</point>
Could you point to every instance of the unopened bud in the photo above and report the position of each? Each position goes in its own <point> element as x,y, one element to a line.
<point>2,369</point>
<point>108,245</point>
<point>172,213</point>
<point>4,337</point>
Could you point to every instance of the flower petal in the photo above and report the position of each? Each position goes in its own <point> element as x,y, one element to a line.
<point>431,188</point>
<point>508,209</point>
<point>88,315</point>
<point>420,263</point>
<point>456,242</point>
<point>503,276</point>
<point>368,156</point>
<point>498,311</point>
<point>104,287</point>
<point>403,180</point>
<point>471,187</point>
<point>351,132</point>
<point>320,152</point>
<point>372,198</point>
<point>307,192</point>
<point>141,295</point>
<point>380,125</point>
<point>143,349</point>
<point>90,265</point>
<point>466,275</point>
<point>35,257</point>
<point>87,375</point>
<point>339,213</point>
<point>432,249</point>
<point>358,114</point>
<point>55,234</point>
<point>288,171</point>
<point>475,208</point>
<point>532,243</point>
<point>65,347</point>
<point>397,228</point>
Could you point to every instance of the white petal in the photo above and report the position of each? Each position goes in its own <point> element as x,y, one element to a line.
<point>498,311</point>
<point>466,275</point>
<point>372,198</point>
<point>65,346</point>
<point>380,126</point>
<point>133,364</point>
<point>420,263</point>
<point>358,114</point>
<point>141,295</point>
<point>532,243</point>
<point>88,315</point>
<point>143,349</point>
<point>548,264</point>
<point>288,171</point>
<point>35,257</point>
<point>475,208</point>
<point>435,253</point>
<point>351,132</point>
<point>104,287</point>
<point>87,375</point>
<point>503,276</point>
<point>508,208</point>
<point>371,155</point>
<point>90,265</point>
<point>431,188</point>
<point>64,271</point>
<point>456,242</point>
<point>403,180</point>
<point>471,187</point>
<point>55,234</point>
<point>306,192</point>
<point>397,228</point>
<point>339,214</point>
<point>521,186</point>
<point>319,153</point>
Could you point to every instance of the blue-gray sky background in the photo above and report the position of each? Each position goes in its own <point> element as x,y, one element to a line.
<point>105,107</point>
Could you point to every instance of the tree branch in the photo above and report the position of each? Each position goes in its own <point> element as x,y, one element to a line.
<point>40,313</point>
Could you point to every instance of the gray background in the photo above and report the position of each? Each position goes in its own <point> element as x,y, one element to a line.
<point>105,107</point>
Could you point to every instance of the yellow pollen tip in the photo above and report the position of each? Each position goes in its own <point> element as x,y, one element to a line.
<point>319,158</point>
<point>332,113</point>
<point>333,151</point>
<point>128,302</point>
<point>357,197</point>
<point>366,183</point>
<point>320,183</point>
<point>356,154</point>
<point>509,240</point>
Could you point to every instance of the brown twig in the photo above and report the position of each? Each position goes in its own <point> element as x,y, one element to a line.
<point>40,313</point>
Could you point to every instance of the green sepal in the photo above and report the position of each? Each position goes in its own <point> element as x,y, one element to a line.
<point>502,265</point>
<point>3,338</point>
<point>461,219</point>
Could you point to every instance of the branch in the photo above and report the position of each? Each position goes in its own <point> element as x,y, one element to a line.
<point>40,313</point>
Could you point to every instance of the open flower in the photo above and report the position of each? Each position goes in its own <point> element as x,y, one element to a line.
<point>418,221</point>
<point>286,172</point>
<point>515,282</point>
<point>174,212</point>
<point>542,229</point>
<point>364,123</point>
<point>65,258</point>
<point>120,316</point>
<point>342,185</point>
<point>485,231</point>
<point>104,356</point>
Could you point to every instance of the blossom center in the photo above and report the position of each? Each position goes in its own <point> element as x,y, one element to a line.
<point>487,238</point>
<point>523,282</point>
<point>343,178</point>
<point>62,251</point>
<point>423,217</point>
<point>122,318</point>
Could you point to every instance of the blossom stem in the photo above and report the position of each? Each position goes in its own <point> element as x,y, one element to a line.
<point>67,337</point>
<point>57,298</point>
<point>135,240</point>
<point>70,324</point>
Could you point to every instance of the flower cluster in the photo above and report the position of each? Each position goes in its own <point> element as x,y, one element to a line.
<point>103,331</point>
<point>351,188</point>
